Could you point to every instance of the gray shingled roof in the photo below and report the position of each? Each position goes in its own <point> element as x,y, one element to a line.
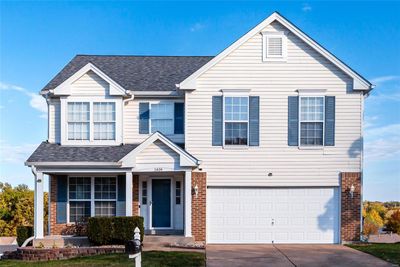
<point>47,152</point>
<point>136,73</point>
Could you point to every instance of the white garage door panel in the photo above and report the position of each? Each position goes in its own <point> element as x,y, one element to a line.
<point>279,215</point>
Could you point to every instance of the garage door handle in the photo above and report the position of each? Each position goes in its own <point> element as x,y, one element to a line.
<point>272,222</point>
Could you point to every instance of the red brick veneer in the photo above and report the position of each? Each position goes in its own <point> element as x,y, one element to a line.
<point>55,228</point>
<point>199,206</point>
<point>350,206</point>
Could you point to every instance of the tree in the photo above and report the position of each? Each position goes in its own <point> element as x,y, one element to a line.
<point>16,208</point>
<point>393,223</point>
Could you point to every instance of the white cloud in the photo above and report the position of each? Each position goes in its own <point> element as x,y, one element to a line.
<point>383,79</point>
<point>306,8</point>
<point>382,143</point>
<point>197,27</point>
<point>15,153</point>
<point>370,121</point>
<point>36,101</point>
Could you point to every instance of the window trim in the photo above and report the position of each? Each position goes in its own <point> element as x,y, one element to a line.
<point>316,95</point>
<point>237,93</point>
<point>92,199</point>
<point>269,34</point>
<point>64,120</point>
<point>173,115</point>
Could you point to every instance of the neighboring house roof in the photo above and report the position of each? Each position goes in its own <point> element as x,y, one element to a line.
<point>359,82</point>
<point>136,73</point>
<point>47,152</point>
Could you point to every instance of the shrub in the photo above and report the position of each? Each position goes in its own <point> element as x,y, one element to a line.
<point>393,223</point>
<point>370,227</point>
<point>23,233</point>
<point>113,230</point>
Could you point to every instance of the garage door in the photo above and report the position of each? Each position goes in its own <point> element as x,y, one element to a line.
<point>266,215</point>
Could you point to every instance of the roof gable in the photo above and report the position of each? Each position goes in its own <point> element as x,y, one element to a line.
<point>65,87</point>
<point>359,82</point>
<point>160,141</point>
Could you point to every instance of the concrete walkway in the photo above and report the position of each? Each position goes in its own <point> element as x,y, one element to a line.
<point>289,256</point>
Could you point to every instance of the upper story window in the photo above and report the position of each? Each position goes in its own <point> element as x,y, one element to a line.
<point>104,120</point>
<point>236,120</point>
<point>311,121</point>
<point>78,120</point>
<point>82,126</point>
<point>274,46</point>
<point>162,118</point>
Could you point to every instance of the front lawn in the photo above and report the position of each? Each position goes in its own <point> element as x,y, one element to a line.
<point>149,259</point>
<point>387,252</point>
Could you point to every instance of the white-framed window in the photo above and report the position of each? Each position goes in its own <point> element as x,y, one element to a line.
<point>236,120</point>
<point>144,193</point>
<point>91,121</point>
<point>91,196</point>
<point>104,120</point>
<point>162,117</point>
<point>78,118</point>
<point>311,120</point>
<point>178,192</point>
<point>274,46</point>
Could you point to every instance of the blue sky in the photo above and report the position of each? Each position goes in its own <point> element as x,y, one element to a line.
<point>38,38</point>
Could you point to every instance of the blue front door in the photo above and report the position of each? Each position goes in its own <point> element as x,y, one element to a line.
<point>161,203</point>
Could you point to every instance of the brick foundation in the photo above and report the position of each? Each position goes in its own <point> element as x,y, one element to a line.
<point>350,206</point>
<point>199,206</point>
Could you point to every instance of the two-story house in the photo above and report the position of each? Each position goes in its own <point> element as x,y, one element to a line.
<point>261,143</point>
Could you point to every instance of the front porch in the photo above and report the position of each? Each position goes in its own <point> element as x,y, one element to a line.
<point>152,180</point>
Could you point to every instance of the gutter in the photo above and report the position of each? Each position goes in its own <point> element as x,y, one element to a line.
<point>69,164</point>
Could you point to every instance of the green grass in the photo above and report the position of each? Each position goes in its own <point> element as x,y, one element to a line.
<point>387,252</point>
<point>149,259</point>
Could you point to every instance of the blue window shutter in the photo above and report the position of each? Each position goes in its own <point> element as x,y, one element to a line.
<point>62,198</point>
<point>217,120</point>
<point>144,117</point>
<point>121,188</point>
<point>254,120</point>
<point>179,118</point>
<point>329,120</point>
<point>293,120</point>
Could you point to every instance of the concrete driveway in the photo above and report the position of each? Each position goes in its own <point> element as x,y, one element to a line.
<point>289,256</point>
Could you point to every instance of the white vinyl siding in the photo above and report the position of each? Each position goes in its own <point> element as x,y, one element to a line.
<point>90,84</point>
<point>54,120</point>
<point>273,82</point>
<point>160,155</point>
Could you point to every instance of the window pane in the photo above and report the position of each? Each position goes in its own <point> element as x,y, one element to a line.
<point>178,192</point>
<point>78,210</point>
<point>104,120</point>
<point>105,188</point>
<point>236,108</point>
<point>105,208</point>
<point>78,118</point>
<point>311,133</point>
<point>79,187</point>
<point>162,118</point>
<point>236,133</point>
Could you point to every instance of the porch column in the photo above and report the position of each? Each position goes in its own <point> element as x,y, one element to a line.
<point>188,203</point>
<point>38,209</point>
<point>128,193</point>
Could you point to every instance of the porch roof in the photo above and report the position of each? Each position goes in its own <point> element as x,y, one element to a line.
<point>47,152</point>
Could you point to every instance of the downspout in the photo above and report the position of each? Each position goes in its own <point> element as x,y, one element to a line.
<point>128,92</point>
